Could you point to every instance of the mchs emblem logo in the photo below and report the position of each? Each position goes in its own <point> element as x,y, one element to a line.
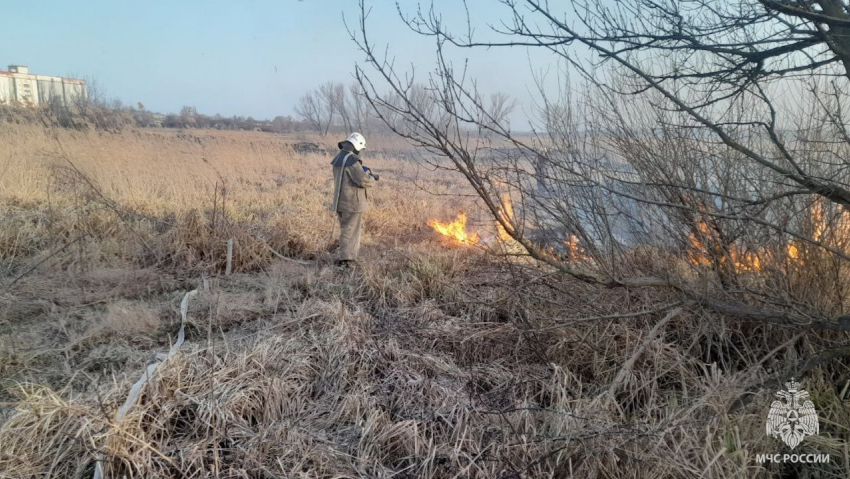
<point>792,417</point>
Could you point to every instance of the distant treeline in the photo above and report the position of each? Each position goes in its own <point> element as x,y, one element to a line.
<point>113,116</point>
<point>330,108</point>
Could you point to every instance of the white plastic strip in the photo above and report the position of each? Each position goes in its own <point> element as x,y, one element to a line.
<point>152,367</point>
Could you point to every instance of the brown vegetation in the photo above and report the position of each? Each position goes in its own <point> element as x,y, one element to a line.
<point>428,360</point>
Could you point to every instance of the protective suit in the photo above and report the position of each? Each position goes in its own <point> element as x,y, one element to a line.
<point>350,199</point>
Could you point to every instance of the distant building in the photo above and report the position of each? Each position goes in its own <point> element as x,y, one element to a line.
<point>18,85</point>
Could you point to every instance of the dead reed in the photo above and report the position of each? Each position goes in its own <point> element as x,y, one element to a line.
<point>426,361</point>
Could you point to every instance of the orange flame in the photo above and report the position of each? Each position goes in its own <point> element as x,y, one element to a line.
<point>699,254</point>
<point>793,252</point>
<point>747,261</point>
<point>576,252</point>
<point>818,221</point>
<point>507,211</point>
<point>833,231</point>
<point>706,249</point>
<point>455,230</point>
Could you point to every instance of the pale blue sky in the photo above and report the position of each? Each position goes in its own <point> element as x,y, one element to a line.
<point>252,58</point>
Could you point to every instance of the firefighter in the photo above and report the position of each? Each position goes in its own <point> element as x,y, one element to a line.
<point>350,200</point>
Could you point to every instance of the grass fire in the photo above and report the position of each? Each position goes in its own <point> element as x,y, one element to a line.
<point>456,230</point>
<point>367,240</point>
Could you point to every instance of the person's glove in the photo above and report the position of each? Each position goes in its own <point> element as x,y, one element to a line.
<point>368,170</point>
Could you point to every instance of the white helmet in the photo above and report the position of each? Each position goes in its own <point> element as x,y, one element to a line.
<point>357,140</point>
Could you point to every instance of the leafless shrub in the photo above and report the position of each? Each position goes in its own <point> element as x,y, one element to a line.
<point>678,149</point>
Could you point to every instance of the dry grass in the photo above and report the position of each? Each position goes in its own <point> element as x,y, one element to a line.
<point>426,361</point>
<point>175,197</point>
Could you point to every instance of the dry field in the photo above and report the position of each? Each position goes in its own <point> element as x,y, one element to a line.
<point>427,360</point>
